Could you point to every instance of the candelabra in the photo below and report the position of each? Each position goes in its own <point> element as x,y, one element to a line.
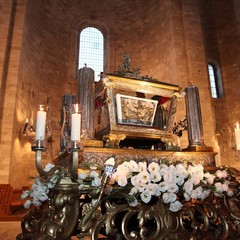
<point>59,217</point>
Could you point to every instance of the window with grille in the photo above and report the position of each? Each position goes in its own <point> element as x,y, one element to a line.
<point>212,81</point>
<point>91,50</point>
<point>215,80</point>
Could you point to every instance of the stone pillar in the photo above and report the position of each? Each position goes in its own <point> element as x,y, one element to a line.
<point>194,117</point>
<point>86,99</point>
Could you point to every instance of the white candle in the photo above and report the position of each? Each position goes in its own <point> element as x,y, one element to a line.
<point>41,124</point>
<point>76,126</point>
<point>237,136</point>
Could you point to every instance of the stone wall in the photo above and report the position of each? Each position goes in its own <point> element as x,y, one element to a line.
<point>222,38</point>
<point>11,25</point>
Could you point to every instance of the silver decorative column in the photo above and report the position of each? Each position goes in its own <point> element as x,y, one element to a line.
<point>86,99</point>
<point>194,118</point>
<point>68,100</point>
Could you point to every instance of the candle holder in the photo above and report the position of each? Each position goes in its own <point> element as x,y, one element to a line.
<point>75,146</point>
<point>40,145</point>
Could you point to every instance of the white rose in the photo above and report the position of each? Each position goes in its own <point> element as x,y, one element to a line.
<point>125,169</point>
<point>151,188</point>
<point>209,177</point>
<point>172,187</point>
<point>142,166</point>
<point>195,179</point>
<point>155,176</point>
<point>219,187</point>
<point>221,174</point>
<point>135,180</point>
<point>158,191</point>
<point>27,204</point>
<point>188,187</point>
<point>225,186</point>
<point>41,195</point>
<point>197,192</point>
<point>93,174</point>
<point>110,161</point>
<point>133,166</point>
<point>145,196</point>
<point>186,196</point>
<point>141,187</point>
<point>182,171</point>
<point>36,202</point>
<point>122,181</point>
<point>170,177</point>
<point>82,176</point>
<point>163,186</point>
<point>96,182</point>
<point>163,169</point>
<point>180,180</point>
<point>153,167</point>
<point>175,206</point>
<point>205,194</point>
<point>169,197</point>
<point>144,177</point>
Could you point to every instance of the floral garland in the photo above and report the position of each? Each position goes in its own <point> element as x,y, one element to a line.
<point>174,183</point>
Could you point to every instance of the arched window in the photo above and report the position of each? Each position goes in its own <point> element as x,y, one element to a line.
<point>91,50</point>
<point>215,80</point>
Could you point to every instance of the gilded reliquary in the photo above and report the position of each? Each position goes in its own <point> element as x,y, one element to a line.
<point>134,112</point>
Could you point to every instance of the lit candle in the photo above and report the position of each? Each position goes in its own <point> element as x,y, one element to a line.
<point>237,136</point>
<point>41,124</point>
<point>76,125</point>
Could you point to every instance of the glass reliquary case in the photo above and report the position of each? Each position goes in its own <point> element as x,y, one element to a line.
<point>133,112</point>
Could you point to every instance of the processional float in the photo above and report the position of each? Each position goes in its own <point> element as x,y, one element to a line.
<point>127,119</point>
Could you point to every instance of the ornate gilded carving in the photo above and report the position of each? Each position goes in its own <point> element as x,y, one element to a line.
<point>56,219</point>
<point>69,214</point>
<point>99,156</point>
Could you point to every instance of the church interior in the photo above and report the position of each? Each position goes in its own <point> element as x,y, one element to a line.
<point>175,43</point>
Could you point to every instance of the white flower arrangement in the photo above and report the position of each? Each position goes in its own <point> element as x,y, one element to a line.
<point>173,183</point>
<point>40,188</point>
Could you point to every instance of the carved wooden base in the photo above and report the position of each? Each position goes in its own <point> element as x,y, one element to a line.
<point>213,218</point>
<point>100,155</point>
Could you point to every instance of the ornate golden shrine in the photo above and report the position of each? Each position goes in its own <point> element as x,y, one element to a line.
<point>108,126</point>
<point>89,211</point>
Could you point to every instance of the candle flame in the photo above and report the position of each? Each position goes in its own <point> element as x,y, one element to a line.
<point>237,125</point>
<point>76,108</point>
<point>41,107</point>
